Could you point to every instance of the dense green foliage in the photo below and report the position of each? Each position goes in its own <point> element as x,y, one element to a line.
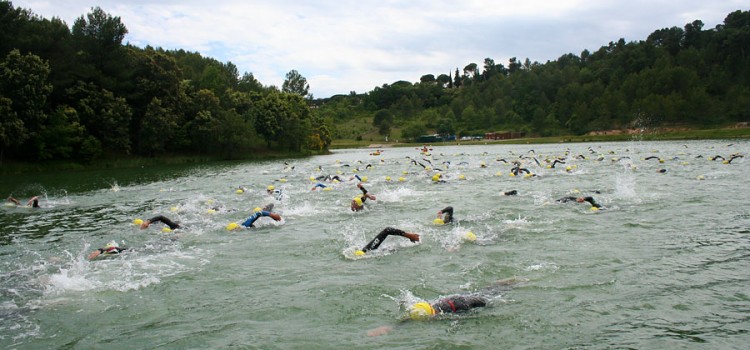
<point>79,93</point>
<point>677,76</point>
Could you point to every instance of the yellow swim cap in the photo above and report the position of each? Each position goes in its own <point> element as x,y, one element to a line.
<point>364,179</point>
<point>461,177</point>
<point>387,178</point>
<point>421,311</point>
<point>359,253</point>
<point>257,209</point>
<point>166,229</point>
<point>594,208</point>
<point>312,178</point>
<point>173,209</point>
<point>138,222</point>
<point>436,177</point>
<point>358,200</point>
<point>470,236</point>
<point>499,173</point>
<point>282,180</point>
<point>401,178</point>
<point>438,221</point>
<point>232,225</point>
<point>211,211</point>
<point>239,191</point>
<point>271,187</point>
<point>511,174</point>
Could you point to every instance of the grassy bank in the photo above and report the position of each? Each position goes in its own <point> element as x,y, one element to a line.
<point>129,162</point>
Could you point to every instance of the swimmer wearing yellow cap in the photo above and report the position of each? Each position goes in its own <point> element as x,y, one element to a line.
<point>358,202</point>
<point>159,218</point>
<point>445,215</point>
<point>388,231</point>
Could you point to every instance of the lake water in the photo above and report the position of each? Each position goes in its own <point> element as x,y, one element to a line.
<point>666,264</point>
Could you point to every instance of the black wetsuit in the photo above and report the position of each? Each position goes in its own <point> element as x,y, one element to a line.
<point>517,170</point>
<point>585,199</point>
<point>112,250</point>
<point>511,193</point>
<point>364,194</point>
<point>375,243</point>
<point>458,303</point>
<point>447,214</point>
<point>172,225</point>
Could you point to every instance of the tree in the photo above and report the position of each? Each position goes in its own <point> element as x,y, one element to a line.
<point>100,35</point>
<point>23,81</point>
<point>295,83</point>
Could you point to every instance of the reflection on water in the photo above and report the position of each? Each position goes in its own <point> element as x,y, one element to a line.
<point>663,266</point>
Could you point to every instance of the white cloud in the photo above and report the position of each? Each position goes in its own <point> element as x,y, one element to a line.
<point>340,46</point>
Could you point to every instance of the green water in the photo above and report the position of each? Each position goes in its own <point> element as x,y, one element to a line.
<point>665,265</point>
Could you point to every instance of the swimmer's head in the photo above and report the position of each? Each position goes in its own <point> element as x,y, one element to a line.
<point>111,244</point>
<point>470,236</point>
<point>421,311</point>
<point>438,221</point>
<point>358,201</point>
<point>257,210</point>
<point>166,230</point>
<point>462,177</point>
<point>359,253</point>
<point>232,226</point>
<point>364,179</point>
<point>138,222</point>
<point>270,188</point>
<point>239,191</point>
<point>387,178</point>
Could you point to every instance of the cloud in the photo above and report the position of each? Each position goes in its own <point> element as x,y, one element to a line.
<point>342,46</point>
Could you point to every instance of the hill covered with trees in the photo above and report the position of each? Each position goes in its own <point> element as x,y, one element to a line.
<point>687,76</point>
<point>79,93</point>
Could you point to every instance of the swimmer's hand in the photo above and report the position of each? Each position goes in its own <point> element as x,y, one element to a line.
<point>275,216</point>
<point>413,237</point>
<point>383,330</point>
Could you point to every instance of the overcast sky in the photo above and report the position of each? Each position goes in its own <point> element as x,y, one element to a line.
<point>343,46</point>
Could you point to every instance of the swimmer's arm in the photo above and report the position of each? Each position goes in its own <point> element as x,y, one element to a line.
<point>94,254</point>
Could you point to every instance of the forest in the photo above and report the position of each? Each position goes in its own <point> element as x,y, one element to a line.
<point>677,77</point>
<point>80,94</point>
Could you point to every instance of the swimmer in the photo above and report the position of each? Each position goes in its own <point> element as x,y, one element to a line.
<point>159,218</point>
<point>733,157</point>
<point>518,170</point>
<point>588,199</point>
<point>453,304</point>
<point>446,215</point>
<point>258,213</point>
<point>555,163</point>
<point>33,202</point>
<point>110,249</point>
<point>318,185</point>
<point>328,178</point>
<point>358,203</point>
<point>510,193</point>
<point>272,191</point>
<point>375,243</point>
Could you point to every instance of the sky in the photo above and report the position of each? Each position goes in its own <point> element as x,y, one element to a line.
<point>357,45</point>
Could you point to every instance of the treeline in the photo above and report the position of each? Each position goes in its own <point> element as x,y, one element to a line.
<point>79,93</point>
<point>687,76</point>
